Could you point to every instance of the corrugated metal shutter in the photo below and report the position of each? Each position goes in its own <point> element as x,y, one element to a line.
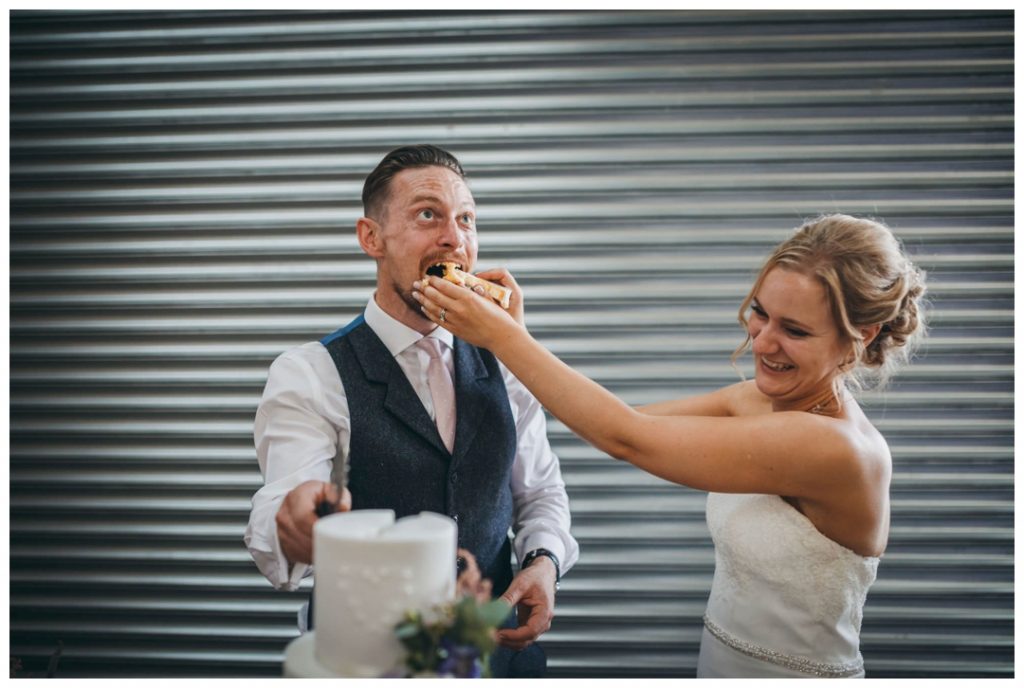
<point>183,191</point>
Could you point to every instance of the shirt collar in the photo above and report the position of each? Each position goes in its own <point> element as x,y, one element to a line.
<point>397,336</point>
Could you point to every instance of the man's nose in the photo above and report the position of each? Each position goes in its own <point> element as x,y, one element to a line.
<point>449,234</point>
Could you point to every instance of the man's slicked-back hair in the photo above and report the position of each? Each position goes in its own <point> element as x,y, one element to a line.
<point>376,186</point>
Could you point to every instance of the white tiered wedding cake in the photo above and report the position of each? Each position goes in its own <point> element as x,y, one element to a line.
<point>369,571</point>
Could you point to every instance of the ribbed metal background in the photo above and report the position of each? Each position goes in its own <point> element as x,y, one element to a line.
<point>184,187</point>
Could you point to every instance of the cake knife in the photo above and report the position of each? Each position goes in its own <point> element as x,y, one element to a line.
<point>339,476</point>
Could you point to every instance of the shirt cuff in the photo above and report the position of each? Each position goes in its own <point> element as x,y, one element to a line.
<point>551,543</point>
<point>290,575</point>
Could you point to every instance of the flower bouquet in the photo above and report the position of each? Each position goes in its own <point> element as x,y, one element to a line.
<point>455,642</point>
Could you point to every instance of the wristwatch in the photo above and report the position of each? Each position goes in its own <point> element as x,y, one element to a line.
<point>541,552</point>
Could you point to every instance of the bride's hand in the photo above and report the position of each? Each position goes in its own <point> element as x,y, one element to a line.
<point>503,277</point>
<point>468,315</point>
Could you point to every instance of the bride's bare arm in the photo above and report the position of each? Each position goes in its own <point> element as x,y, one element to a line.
<point>794,454</point>
<point>721,402</point>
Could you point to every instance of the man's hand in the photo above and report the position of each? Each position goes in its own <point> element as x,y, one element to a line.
<point>297,515</point>
<point>533,590</point>
<point>471,582</point>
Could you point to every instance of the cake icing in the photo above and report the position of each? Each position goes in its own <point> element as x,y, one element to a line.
<point>370,569</point>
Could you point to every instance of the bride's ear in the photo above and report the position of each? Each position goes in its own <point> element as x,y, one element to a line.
<point>869,333</point>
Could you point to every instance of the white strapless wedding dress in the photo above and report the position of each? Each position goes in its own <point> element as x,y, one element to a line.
<point>786,601</point>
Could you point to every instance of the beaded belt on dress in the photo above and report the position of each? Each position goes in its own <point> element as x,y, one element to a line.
<point>807,666</point>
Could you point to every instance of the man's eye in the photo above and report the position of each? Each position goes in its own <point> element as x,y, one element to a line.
<point>426,214</point>
<point>467,219</point>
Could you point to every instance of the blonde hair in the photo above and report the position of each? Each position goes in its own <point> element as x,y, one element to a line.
<point>868,280</point>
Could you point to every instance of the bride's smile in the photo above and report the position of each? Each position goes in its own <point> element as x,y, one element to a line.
<point>796,343</point>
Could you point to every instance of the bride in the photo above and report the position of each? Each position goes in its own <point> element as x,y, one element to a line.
<point>798,477</point>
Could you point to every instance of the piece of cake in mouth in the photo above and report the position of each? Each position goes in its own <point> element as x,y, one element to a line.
<point>453,273</point>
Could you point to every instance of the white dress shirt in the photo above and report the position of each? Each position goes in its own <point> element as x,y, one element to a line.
<point>302,424</point>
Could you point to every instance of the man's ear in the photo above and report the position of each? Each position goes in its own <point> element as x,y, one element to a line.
<point>368,230</point>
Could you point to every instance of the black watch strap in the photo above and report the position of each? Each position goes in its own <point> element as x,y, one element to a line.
<point>541,552</point>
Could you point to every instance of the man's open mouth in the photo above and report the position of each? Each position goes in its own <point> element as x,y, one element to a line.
<point>439,269</point>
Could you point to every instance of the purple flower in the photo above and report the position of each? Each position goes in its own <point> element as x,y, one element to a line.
<point>461,661</point>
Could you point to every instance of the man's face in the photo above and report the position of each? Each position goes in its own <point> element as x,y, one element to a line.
<point>429,217</point>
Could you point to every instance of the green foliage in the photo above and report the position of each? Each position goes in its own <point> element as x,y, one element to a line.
<point>455,635</point>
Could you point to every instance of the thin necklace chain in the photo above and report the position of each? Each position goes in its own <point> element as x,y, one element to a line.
<point>825,404</point>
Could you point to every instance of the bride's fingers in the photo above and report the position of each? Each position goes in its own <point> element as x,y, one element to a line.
<point>433,318</point>
<point>435,296</point>
<point>504,278</point>
<point>433,303</point>
<point>452,292</point>
<point>432,312</point>
<point>431,309</point>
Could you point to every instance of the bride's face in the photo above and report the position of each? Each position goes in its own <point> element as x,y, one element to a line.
<point>797,346</point>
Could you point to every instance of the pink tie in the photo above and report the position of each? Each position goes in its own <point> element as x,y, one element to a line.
<point>442,391</point>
